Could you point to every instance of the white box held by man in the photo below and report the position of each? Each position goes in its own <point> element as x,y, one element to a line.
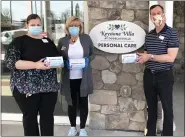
<point>55,61</point>
<point>77,63</point>
<point>129,58</point>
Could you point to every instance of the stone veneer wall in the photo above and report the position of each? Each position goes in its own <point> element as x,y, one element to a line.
<point>179,26</point>
<point>118,101</point>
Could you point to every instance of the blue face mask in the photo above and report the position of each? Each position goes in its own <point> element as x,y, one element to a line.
<point>35,30</point>
<point>74,31</point>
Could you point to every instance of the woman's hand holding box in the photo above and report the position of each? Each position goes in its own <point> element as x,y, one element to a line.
<point>55,62</point>
<point>77,64</point>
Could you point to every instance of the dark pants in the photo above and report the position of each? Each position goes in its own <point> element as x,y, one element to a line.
<point>42,103</point>
<point>159,84</point>
<point>78,102</point>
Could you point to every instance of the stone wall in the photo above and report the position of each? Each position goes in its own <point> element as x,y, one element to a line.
<point>179,25</point>
<point>118,101</point>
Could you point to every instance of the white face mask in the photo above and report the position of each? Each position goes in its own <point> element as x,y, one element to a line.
<point>158,20</point>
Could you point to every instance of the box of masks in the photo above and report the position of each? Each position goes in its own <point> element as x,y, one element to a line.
<point>55,62</point>
<point>77,63</point>
<point>129,58</point>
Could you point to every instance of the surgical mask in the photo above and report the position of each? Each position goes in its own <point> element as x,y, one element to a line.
<point>158,20</point>
<point>74,31</point>
<point>35,30</point>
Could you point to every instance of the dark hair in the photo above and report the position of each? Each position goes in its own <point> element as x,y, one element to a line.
<point>32,16</point>
<point>153,6</point>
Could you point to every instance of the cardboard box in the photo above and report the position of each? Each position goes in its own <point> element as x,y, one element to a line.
<point>55,62</point>
<point>129,58</point>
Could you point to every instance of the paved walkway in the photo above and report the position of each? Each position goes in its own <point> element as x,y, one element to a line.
<point>15,128</point>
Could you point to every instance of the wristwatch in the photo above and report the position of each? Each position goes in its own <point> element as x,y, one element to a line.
<point>152,57</point>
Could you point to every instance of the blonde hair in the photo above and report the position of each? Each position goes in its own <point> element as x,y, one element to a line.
<point>69,21</point>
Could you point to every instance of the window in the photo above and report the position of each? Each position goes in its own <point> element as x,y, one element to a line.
<point>14,13</point>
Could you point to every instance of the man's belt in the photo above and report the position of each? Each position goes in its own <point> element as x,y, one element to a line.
<point>158,71</point>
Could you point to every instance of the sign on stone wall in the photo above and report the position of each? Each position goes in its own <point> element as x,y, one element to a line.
<point>117,36</point>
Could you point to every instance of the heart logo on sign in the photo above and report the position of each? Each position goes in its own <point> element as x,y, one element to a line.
<point>117,26</point>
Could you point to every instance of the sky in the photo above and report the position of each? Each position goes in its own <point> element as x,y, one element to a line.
<point>20,9</point>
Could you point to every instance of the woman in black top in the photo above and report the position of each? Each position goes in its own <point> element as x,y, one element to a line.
<point>33,83</point>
